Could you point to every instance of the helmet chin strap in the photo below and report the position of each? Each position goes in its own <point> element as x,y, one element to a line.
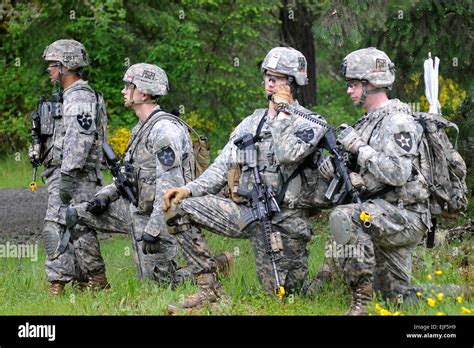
<point>61,74</point>
<point>132,102</point>
<point>366,92</point>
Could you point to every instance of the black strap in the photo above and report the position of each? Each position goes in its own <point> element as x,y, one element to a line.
<point>257,138</point>
<point>285,185</point>
<point>138,133</point>
<point>430,237</point>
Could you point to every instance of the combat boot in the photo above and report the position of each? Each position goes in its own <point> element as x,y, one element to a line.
<point>224,263</point>
<point>98,282</point>
<point>361,297</point>
<point>208,292</point>
<point>56,288</point>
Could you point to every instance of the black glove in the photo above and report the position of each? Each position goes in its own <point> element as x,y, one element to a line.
<point>151,244</point>
<point>97,205</point>
<point>66,188</point>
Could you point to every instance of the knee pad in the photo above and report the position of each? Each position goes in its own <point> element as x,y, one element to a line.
<point>340,225</point>
<point>52,235</point>
<point>71,217</point>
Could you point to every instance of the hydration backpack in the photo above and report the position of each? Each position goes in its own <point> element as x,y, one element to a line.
<point>442,165</point>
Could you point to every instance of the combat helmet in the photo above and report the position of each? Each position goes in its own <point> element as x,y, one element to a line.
<point>70,53</point>
<point>288,61</point>
<point>148,78</point>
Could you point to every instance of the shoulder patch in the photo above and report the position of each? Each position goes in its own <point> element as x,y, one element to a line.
<point>85,120</point>
<point>166,156</point>
<point>305,134</point>
<point>403,139</point>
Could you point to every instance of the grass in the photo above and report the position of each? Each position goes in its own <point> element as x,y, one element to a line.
<point>23,285</point>
<point>16,171</point>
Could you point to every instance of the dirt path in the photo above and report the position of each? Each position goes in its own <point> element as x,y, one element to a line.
<point>22,213</point>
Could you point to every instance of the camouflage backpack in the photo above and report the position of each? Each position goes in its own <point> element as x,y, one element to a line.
<point>202,156</point>
<point>442,166</point>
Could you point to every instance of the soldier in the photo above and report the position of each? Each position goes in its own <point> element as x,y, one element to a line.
<point>159,155</point>
<point>71,155</point>
<point>283,142</point>
<point>384,146</point>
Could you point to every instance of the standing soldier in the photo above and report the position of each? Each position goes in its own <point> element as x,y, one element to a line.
<point>73,128</point>
<point>159,155</point>
<point>384,145</point>
<point>282,141</point>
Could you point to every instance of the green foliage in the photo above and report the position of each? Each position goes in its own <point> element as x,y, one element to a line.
<point>210,50</point>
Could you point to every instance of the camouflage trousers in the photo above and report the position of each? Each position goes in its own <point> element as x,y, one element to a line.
<point>224,217</point>
<point>383,252</point>
<point>122,217</point>
<point>65,265</point>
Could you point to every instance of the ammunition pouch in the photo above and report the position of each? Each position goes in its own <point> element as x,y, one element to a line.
<point>177,220</point>
<point>146,194</point>
<point>233,177</point>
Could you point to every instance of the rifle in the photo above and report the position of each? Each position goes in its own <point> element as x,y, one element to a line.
<point>264,205</point>
<point>126,190</point>
<point>36,139</point>
<point>42,126</point>
<point>342,174</point>
<point>342,170</point>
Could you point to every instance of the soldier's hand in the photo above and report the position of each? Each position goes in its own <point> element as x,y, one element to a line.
<point>357,181</point>
<point>34,153</point>
<point>326,168</point>
<point>66,188</point>
<point>174,196</point>
<point>151,244</point>
<point>350,139</point>
<point>282,97</point>
<point>97,205</point>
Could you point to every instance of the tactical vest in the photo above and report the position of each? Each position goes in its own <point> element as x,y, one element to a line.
<point>295,187</point>
<point>55,131</point>
<point>140,161</point>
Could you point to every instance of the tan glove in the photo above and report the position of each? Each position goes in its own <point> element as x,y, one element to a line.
<point>174,196</point>
<point>351,140</point>
<point>357,181</point>
<point>326,169</point>
<point>282,97</point>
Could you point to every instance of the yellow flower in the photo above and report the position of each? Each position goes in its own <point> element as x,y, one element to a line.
<point>378,307</point>
<point>419,294</point>
<point>429,277</point>
<point>431,302</point>
<point>439,313</point>
<point>439,272</point>
<point>384,312</point>
<point>459,299</point>
<point>440,296</point>
<point>397,313</point>
<point>465,310</point>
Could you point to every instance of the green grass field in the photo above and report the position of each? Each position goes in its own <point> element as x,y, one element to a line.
<point>23,286</point>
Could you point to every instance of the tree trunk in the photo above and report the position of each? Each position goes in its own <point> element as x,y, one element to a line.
<point>295,31</point>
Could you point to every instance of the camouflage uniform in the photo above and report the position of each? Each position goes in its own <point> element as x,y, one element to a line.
<point>395,192</point>
<point>282,146</point>
<point>72,148</point>
<point>159,156</point>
